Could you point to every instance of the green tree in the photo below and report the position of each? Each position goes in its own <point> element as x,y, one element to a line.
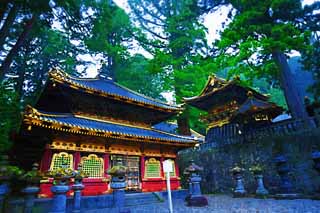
<point>311,55</point>
<point>9,117</point>
<point>110,35</point>
<point>178,40</point>
<point>258,39</point>
<point>135,75</point>
<point>178,46</point>
<point>23,18</point>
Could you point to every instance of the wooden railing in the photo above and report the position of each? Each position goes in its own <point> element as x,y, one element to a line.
<point>233,133</point>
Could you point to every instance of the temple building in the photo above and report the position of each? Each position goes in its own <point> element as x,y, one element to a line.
<point>99,123</point>
<point>234,112</point>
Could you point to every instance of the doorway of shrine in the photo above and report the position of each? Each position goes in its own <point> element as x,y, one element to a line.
<point>133,174</point>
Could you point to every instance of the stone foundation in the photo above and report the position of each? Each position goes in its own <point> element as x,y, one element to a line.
<point>218,161</point>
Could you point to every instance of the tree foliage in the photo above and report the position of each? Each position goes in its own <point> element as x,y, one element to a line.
<point>257,40</point>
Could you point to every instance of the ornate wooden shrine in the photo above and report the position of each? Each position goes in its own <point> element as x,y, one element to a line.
<point>233,109</point>
<point>100,123</point>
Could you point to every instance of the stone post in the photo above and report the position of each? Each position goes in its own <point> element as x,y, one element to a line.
<point>283,170</point>
<point>195,197</point>
<point>4,189</point>
<point>5,175</point>
<point>239,190</point>
<point>59,201</point>
<point>77,188</point>
<point>30,195</point>
<point>118,185</point>
<point>316,159</point>
<point>32,179</point>
<point>195,182</point>
<point>261,190</point>
<point>61,178</point>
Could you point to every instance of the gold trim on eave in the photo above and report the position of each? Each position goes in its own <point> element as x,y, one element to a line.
<point>33,117</point>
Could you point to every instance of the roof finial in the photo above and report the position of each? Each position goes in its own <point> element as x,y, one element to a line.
<point>250,94</point>
<point>236,77</point>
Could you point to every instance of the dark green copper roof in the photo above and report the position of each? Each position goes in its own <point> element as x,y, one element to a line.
<point>108,87</point>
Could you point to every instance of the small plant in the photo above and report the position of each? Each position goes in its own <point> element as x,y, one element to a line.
<point>79,174</point>
<point>237,169</point>
<point>8,172</point>
<point>34,176</point>
<point>256,169</point>
<point>62,175</point>
<point>117,171</point>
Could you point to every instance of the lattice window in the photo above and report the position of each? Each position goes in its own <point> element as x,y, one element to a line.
<point>60,159</point>
<point>152,168</point>
<point>173,173</point>
<point>93,165</point>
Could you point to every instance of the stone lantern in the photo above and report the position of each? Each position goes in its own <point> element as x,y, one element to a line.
<point>32,179</point>
<point>77,187</point>
<point>239,190</point>
<point>195,197</point>
<point>283,169</point>
<point>118,184</point>
<point>4,179</point>
<point>61,177</point>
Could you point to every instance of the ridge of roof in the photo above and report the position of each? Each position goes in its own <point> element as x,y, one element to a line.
<point>227,84</point>
<point>60,76</point>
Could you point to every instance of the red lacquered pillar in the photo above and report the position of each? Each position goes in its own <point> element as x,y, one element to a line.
<point>177,172</point>
<point>163,176</point>
<point>106,163</point>
<point>46,159</point>
<point>176,168</point>
<point>142,165</point>
<point>77,159</point>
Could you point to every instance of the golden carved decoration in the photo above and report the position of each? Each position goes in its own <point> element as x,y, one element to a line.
<point>34,117</point>
<point>63,145</point>
<point>90,147</point>
<point>62,158</point>
<point>93,165</point>
<point>152,168</point>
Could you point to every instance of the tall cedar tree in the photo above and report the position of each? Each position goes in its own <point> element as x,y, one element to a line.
<point>178,44</point>
<point>258,39</point>
<point>111,35</point>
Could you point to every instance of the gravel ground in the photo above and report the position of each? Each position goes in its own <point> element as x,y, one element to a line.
<point>227,204</point>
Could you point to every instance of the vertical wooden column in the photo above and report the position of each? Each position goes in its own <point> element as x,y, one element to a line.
<point>161,168</point>
<point>176,168</point>
<point>46,159</point>
<point>163,176</point>
<point>77,159</point>
<point>106,163</point>
<point>142,162</point>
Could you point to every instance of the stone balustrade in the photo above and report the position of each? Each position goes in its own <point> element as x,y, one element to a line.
<point>235,134</point>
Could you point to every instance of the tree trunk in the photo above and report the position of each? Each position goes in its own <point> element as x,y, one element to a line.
<point>294,101</point>
<point>3,8</point>
<point>14,50</point>
<point>7,24</point>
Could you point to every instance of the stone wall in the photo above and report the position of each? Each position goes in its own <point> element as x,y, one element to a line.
<point>218,161</point>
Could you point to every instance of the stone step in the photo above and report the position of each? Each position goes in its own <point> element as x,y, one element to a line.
<point>143,198</point>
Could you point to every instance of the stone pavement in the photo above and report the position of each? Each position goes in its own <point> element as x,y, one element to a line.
<point>227,204</point>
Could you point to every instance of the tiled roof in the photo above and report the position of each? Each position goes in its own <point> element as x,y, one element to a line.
<point>79,124</point>
<point>254,105</point>
<point>109,88</point>
<point>173,128</point>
